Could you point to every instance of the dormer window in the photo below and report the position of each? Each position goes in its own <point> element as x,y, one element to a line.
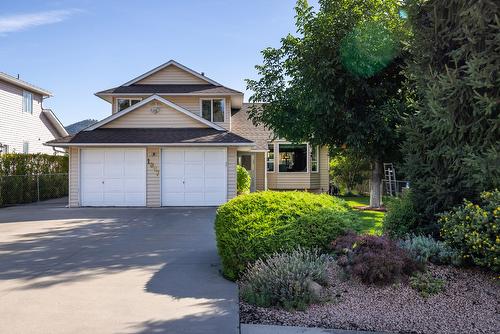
<point>213,109</point>
<point>122,104</point>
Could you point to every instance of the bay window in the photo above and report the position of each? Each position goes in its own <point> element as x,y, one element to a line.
<point>122,104</point>
<point>292,158</point>
<point>270,158</point>
<point>314,158</point>
<point>213,109</point>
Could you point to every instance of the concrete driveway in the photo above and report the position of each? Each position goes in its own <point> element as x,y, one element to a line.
<point>112,270</point>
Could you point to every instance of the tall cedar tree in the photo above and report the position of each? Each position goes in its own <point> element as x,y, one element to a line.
<point>339,82</point>
<point>453,140</point>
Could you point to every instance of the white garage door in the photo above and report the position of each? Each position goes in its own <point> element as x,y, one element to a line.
<point>113,177</point>
<point>193,177</point>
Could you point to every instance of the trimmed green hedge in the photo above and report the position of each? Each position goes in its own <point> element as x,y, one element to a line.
<point>26,178</point>
<point>259,224</point>
<point>32,164</point>
<point>243,180</point>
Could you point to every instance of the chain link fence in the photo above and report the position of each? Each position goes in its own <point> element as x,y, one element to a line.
<point>18,189</point>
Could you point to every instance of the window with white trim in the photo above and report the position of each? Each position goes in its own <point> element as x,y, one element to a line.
<point>213,109</point>
<point>27,102</point>
<point>122,104</point>
<point>292,158</point>
<point>26,147</point>
<point>314,158</point>
<point>270,158</point>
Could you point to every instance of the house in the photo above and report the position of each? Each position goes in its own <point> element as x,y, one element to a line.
<point>24,124</point>
<point>174,138</point>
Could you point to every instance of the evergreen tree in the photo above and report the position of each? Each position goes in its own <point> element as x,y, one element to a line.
<point>453,139</point>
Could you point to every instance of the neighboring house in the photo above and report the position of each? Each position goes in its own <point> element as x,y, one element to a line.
<point>24,125</point>
<point>78,126</point>
<point>174,138</point>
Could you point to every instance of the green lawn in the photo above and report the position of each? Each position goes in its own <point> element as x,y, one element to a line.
<point>370,221</point>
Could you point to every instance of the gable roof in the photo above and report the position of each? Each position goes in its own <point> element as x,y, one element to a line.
<point>146,136</point>
<point>169,89</point>
<point>171,63</point>
<point>24,84</point>
<point>144,102</point>
<point>242,125</point>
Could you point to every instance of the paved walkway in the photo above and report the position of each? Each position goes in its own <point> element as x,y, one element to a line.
<point>112,270</point>
<point>264,329</point>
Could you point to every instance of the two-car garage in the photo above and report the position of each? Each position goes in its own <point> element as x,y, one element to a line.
<point>118,176</point>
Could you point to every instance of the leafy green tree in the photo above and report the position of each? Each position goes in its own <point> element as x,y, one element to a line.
<point>348,169</point>
<point>339,81</point>
<point>453,140</point>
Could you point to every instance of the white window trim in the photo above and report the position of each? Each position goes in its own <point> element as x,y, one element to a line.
<point>274,159</point>
<point>310,147</point>
<point>25,105</point>
<point>212,108</point>
<point>277,152</point>
<point>117,105</point>
<point>26,144</point>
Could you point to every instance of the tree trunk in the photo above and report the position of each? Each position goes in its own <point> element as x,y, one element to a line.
<point>375,185</point>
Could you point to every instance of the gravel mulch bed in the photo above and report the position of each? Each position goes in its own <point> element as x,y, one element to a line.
<point>470,303</point>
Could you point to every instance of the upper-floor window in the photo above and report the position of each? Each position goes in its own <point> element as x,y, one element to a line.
<point>314,158</point>
<point>213,109</point>
<point>270,158</point>
<point>27,102</point>
<point>122,104</point>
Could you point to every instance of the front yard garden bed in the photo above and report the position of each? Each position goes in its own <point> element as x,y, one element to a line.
<point>468,304</point>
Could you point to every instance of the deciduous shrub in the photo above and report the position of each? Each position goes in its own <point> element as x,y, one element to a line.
<point>32,164</point>
<point>426,284</point>
<point>474,230</point>
<point>243,180</point>
<point>289,280</point>
<point>424,249</point>
<point>259,224</point>
<point>373,259</point>
<point>401,218</point>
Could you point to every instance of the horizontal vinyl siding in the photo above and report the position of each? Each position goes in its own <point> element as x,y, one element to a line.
<point>231,172</point>
<point>324,169</point>
<point>17,126</point>
<point>191,103</point>
<point>74,177</point>
<point>171,75</point>
<point>167,117</point>
<point>289,181</point>
<point>153,177</point>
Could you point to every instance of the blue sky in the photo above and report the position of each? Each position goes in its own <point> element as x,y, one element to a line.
<point>76,48</point>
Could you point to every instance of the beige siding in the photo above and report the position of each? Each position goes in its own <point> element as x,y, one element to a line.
<point>74,177</point>
<point>260,171</point>
<point>191,103</point>
<point>231,172</point>
<point>167,117</point>
<point>17,126</point>
<point>172,75</point>
<point>153,174</point>
<point>324,169</point>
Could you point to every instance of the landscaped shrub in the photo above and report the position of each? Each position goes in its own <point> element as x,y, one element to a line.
<point>474,230</point>
<point>424,249</point>
<point>32,164</point>
<point>243,180</point>
<point>401,218</point>
<point>373,259</point>
<point>426,284</point>
<point>289,280</point>
<point>259,224</point>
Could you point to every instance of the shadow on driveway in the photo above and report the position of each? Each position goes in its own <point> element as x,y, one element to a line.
<point>129,270</point>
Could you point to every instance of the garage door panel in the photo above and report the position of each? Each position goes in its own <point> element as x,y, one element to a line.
<point>194,156</point>
<point>196,178</point>
<point>108,179</point>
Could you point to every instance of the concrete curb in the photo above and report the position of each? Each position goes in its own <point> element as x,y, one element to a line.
<point>271,329</point>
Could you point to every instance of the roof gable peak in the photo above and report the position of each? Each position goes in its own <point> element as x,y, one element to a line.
<point>176,64</point>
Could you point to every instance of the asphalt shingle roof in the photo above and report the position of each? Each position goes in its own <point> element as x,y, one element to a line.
<point>152,136</point>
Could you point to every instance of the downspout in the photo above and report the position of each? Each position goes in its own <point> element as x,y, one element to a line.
<point>57,151</point>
